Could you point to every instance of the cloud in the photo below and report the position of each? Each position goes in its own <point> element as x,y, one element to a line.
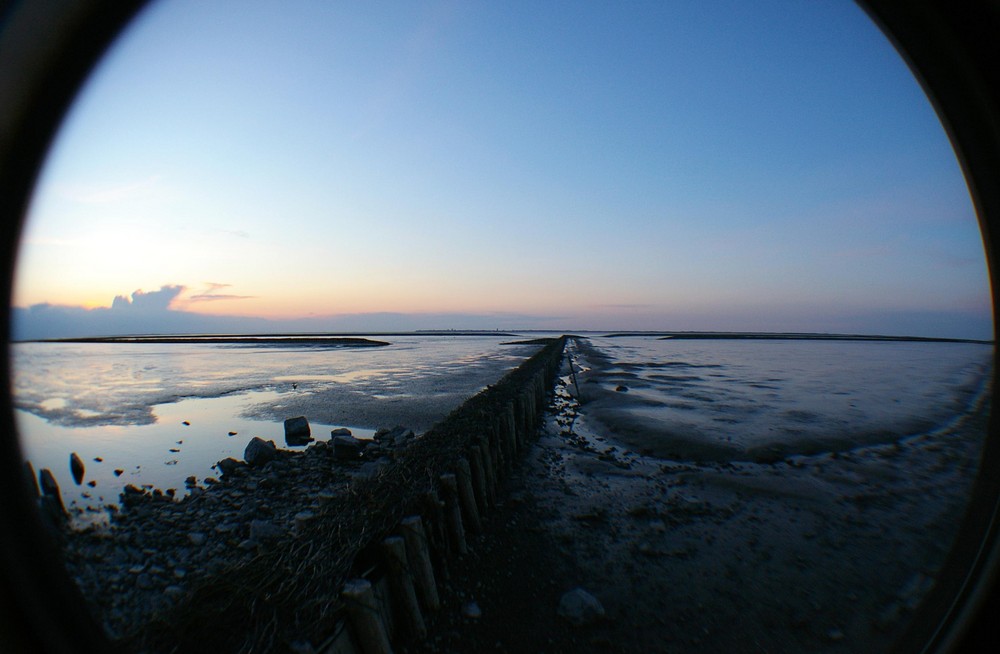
<point>210,294</point>
<point>152,301</point>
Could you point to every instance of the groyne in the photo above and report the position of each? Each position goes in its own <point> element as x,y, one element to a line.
<point>362,570</point>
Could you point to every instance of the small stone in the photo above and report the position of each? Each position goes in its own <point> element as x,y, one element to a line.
<point>173,592</point>
<point>196,538</point>
<point>835,635</point>
<point>580,607</point>
<point>471,610</point>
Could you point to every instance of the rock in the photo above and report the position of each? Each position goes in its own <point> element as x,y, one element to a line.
<point>580,607</point>
<point>347,448</point>
<point>371,469</point>
<point>76,467</point>
<point>341,431</point>
<point>398,436</point>
<point>259,451</point>
<point>191,481</point>
<point>196,538</point>
<point>264,530</point>
<point>471,610</point>
<point>49,485</point>
<point>118,472</point>
<point>297,431</point>
<point>226,466</point>
<point>622,389</point>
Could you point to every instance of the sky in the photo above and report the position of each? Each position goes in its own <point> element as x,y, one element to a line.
<point>313,166</point>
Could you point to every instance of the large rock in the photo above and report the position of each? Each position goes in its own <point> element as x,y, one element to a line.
<point>297,431</point>
<point>76,467</point>
<point>580,607</point>
<point>259,451</point>
<point>347,448</point>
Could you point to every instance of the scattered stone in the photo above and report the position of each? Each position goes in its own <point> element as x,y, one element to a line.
<point>186,423</point>
<point>341,431</point>
<point>232,433</point>
<point>98,459</point>
<point>622,389</point>
<point>259,451</point>
<point>227,466</point>
<point>396,437</point>
<point>118,472</point>
<point>580,607</point>
<point>92,483</point>
<point>297,431</point>
<point>347,448</point>
<point>173,592</point>
<point>191,481</point>
<point>835,635</point>
<point>196,538</point>
<point>264,530</point>
<point>471,610</point>
<point>76,467</point>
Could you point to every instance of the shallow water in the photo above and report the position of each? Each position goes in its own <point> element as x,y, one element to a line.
<point>734,399</point>
<point>126,403</point>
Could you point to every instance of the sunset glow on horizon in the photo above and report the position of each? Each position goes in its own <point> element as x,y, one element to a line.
<point>655,166</point>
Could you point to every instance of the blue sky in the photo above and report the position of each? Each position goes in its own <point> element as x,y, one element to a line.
<point>664,165</point>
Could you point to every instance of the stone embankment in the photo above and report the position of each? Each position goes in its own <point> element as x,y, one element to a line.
<point>338,548</point>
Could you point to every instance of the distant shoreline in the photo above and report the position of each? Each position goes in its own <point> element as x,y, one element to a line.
<point>329,341</point>
<point>664,336</point>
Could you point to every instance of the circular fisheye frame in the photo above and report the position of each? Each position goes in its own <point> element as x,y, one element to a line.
<point>47,47</point>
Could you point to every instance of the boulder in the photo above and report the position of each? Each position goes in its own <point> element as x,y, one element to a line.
<point>76,467</point>
<point>297,431</point>
<point>580,607</point>
<point>50,488</point>
<point>347,448</point>
<point>259,451</point>
<point>341,431</point>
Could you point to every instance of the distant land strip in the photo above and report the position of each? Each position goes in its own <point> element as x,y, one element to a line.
<point>665,336</point>
<point>297,341</point>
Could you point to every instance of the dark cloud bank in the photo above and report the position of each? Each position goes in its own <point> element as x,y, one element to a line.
<point>150,313</point>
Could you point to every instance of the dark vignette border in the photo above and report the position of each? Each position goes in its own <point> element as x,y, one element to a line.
<point>47,47</point>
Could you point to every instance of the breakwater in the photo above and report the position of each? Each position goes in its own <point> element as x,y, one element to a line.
<point>360,568</point>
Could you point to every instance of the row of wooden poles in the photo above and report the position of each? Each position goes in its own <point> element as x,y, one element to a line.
<point>390,600</point>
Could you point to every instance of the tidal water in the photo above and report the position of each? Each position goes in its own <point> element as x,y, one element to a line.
<point>726,400</point>
<point>156,413</point>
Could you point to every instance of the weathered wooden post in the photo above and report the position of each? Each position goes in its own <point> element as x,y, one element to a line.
<point>364,616</point>
<point>491,472</point>
<point>437,532</point>
<point>466,496</point>
<point>412,528</point>
<point>510,432</point>
<point>394,549</point>
<point>478,476</point>
<point>453,513</point>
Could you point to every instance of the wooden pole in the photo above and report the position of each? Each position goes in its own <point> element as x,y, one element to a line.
<point>478,477</point>
<point>467,497</point>
<point>394,549</point>
<point>364,616</point>
<point>437,532</point>
<point>412,528</point>
<point>453,514</point>
<point>491,472</point>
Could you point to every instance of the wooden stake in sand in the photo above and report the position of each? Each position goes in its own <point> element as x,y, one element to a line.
<point>412,528</point>
<point>478,477</point>
<point>466,496</point>
<point>491,471</point>
<point>394,549</point>
<point>453,513</point>
<point>364,615</point>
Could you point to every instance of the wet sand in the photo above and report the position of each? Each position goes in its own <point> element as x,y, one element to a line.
<point>821,553</point>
